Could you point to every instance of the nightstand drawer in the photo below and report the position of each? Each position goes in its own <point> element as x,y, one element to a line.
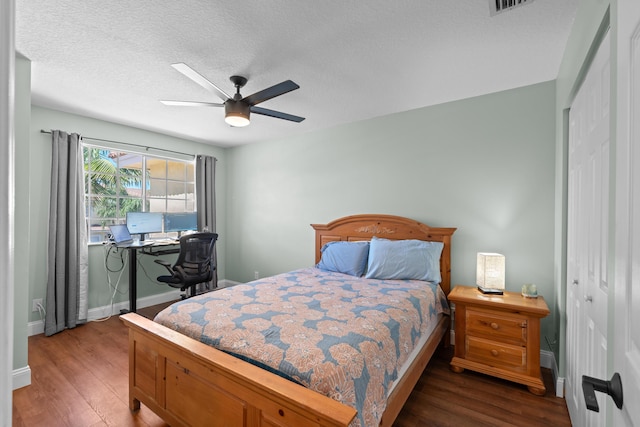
<point>511,357</point>
<point>507,327</point>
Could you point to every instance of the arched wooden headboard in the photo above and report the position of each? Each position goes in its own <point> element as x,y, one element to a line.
<point>364,227</point>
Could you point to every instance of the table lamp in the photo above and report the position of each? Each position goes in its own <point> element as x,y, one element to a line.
<point>490,273</point>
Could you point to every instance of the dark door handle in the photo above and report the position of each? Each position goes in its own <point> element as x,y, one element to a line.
<point>613,388</point>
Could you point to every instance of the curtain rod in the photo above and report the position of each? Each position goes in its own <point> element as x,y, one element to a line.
<point>133,145</point>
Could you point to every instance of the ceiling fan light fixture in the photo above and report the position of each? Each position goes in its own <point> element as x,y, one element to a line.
<point>236,113</point>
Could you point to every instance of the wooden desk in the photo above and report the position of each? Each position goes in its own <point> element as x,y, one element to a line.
<point>158,248</point>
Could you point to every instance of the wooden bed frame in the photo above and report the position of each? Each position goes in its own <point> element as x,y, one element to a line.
<point>188,383</point>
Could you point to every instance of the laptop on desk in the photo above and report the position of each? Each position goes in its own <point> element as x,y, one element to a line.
<point>122,238</point>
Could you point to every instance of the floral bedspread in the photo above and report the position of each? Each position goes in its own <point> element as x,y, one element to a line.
<point>343,336</point>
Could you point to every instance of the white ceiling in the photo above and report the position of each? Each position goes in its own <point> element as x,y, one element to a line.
<point>353,60</point>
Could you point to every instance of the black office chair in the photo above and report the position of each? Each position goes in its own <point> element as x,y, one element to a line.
<point>195,262</point>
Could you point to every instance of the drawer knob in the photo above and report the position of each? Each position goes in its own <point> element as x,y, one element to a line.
<point>494,325</point>
<point>494,352</point>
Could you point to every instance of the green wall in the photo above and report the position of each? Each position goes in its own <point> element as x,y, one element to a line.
<point>99,291</point>
<point>484,165</point>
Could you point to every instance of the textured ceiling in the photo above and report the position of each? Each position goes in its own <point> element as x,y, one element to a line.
<point>353,60</point>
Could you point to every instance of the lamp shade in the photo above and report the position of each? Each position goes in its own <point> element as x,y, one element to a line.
<point>236,113</point>
<point>490,270</point>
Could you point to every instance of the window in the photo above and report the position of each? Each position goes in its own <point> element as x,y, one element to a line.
<point>117,182</point>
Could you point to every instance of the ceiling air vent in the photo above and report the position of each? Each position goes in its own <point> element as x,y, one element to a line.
<point>499,6</point>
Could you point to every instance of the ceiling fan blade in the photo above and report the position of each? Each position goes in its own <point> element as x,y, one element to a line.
<point>271,92</point>
<point>276,114</point>
<point>201,80</point>
<point>192,104</point>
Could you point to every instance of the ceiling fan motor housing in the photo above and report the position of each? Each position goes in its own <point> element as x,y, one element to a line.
<point>236,112</point>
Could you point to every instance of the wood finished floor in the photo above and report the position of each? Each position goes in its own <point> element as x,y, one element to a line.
<point>79,377</point>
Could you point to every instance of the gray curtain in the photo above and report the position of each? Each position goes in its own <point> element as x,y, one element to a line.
<point>67,278</point>
<point>206,206</point>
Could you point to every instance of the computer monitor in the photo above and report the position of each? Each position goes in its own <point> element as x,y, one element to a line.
<point>182,221</point>
<point>143,223</point>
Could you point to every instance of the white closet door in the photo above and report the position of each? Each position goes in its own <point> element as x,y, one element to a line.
<point>587,245</point>
<point>625,349</point>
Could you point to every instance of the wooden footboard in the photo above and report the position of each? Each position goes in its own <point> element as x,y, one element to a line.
<point>188,383</point>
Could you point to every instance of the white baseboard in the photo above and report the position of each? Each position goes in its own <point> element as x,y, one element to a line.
<point>21,377</point>
<point>560,387</point>
<point>548,360</point>
<point>227,283</point>
<point>106,311</point>
<point>37,327</point>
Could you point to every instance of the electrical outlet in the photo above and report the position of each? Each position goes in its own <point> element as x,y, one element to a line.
<point>35,303</point>
<point>256,275</point>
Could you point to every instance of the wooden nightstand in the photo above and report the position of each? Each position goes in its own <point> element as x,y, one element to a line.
<point>499,335</point>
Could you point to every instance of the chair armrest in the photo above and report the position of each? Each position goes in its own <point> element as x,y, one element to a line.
<point>164,263</point>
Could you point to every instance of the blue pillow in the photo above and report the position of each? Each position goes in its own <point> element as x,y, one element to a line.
<point>404,259</point>
<point>344,257</point>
